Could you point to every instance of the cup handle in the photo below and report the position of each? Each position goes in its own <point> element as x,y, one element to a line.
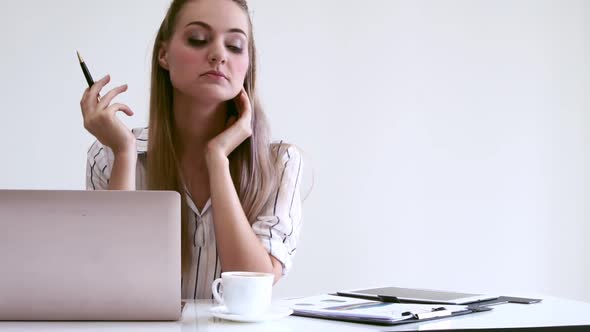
<point>216,294</point>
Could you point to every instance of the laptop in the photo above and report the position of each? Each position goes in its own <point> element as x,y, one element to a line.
<point>90,255</point>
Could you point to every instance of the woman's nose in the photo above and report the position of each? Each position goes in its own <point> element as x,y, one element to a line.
<point>217,55</point>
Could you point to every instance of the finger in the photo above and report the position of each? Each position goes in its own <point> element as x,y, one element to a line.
<point>84,94</point>
<point>91,97</point>
<point>106,99</point>
<point>231,120</point>
<point>243,102</point>
<point>114,108</point>
<point>83,101</point>
<point>87,105</point>
<point>97,86</point>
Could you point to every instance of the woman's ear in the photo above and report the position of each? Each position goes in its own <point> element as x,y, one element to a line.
<point>163,56</point>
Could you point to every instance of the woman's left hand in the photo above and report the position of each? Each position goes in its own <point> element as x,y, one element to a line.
<point>237,130</point>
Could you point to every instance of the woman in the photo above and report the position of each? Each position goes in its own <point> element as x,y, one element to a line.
<point>208,140</point>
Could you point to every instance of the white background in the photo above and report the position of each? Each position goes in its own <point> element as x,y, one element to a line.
<point>448,139</point>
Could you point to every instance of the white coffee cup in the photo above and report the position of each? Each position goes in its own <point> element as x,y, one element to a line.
<point>244,293</point>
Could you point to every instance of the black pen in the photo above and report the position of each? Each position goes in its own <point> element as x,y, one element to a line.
<point>85,70</point>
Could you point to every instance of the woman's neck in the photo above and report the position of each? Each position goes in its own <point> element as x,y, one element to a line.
<point>197,123</point>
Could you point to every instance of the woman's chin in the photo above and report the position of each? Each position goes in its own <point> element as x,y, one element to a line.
<point>212,94</point>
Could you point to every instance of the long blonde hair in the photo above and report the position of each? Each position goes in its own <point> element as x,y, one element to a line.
<point>251,164</point>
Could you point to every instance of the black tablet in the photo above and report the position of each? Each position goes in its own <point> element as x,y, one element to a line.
<point>414,295</point>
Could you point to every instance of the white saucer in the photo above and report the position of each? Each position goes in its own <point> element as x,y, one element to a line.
<point>274,313</point>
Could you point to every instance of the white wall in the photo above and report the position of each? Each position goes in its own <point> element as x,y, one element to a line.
<point>448,138</point>
<point>586,161</point>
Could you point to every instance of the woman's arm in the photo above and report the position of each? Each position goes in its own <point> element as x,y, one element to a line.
<point>238,246</point>
<point>123,172</point>
<point>100,120</point>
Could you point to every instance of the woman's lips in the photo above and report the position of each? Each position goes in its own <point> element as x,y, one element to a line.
<point>215,74</point>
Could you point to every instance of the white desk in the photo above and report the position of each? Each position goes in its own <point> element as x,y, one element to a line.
<point>196,317</point>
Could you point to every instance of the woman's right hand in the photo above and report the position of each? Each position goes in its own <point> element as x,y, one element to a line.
<point>100,119</point>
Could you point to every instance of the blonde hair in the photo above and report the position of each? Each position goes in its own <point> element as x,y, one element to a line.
<point>252,166</point>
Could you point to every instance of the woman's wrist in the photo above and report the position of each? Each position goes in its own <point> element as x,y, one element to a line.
<point>123,171</point>
<point>126,154</point>
<point>215,158</point>
<point>127,149</point>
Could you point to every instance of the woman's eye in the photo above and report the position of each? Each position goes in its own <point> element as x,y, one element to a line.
<point>197,42</point>
<point>235,49</point>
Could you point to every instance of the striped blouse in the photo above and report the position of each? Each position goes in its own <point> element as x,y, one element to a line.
<point>277,227</point>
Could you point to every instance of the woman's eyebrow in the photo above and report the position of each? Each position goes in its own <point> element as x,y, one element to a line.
<point>208,27</point>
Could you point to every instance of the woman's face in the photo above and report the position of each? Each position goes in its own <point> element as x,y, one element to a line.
<point>207,57</point>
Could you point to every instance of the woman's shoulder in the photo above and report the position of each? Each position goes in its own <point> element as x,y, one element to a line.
<point>99,153</point>
<point>141,139</point>
<point>288,160</point>
<point>284,151</point>
<point>100,159</point>
<point>140,132</point>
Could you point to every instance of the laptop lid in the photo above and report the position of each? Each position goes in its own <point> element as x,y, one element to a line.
<point>90,255</point>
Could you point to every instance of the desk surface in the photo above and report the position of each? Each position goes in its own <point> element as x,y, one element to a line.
<point>196,317</point>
